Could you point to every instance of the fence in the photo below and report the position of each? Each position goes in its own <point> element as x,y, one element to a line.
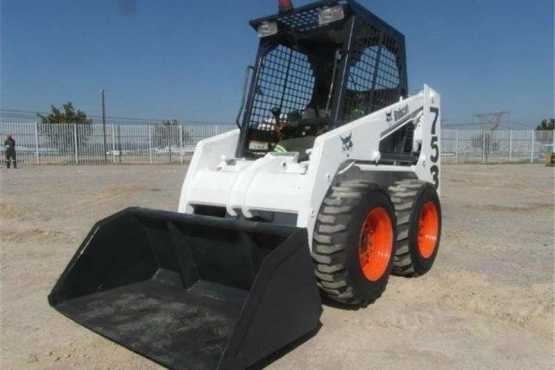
<point>39,143</point>
<point>486,146</point>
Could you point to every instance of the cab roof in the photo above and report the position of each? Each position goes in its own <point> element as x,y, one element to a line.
<point>305,18</point>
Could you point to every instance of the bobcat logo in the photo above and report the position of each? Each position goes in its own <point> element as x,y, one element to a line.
<point>347,142</point>
<point>389,116</point>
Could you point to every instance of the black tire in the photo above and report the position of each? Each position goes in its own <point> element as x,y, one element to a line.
<point>409,197</point>
<point>336,240</point>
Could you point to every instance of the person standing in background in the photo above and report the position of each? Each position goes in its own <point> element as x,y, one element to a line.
<point>9,145</point>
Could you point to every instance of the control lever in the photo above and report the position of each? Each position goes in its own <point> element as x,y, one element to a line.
<point>276,112</point>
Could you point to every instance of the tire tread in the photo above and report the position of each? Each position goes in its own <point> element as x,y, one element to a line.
<point>403,195</point>
<point>330,241</point>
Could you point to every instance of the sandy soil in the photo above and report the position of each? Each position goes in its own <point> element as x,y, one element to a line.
<point>488,302</point>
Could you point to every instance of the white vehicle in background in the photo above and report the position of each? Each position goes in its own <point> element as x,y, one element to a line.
<point>167,149</point>
<point>186,150</point>
<point>114,153</point>
<point>117,153</point>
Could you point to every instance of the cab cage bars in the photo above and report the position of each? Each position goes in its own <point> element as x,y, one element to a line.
<point>357,20</point>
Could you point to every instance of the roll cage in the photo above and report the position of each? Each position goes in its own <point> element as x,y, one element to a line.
<point>320,76</point>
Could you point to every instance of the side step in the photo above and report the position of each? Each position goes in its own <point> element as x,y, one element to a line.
<point>192,292</point>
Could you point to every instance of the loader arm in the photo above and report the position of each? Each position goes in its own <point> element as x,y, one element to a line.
<point>280,185</point>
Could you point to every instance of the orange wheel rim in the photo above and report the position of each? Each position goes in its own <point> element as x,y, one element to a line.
<point>376,244</point>
<point>428,229</point>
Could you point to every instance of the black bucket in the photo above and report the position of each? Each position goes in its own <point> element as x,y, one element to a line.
<point>192,292</point>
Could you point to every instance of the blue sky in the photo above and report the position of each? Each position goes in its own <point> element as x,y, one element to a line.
<point>186,59</point>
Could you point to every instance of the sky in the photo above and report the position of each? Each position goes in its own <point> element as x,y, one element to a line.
<point>186,60</point>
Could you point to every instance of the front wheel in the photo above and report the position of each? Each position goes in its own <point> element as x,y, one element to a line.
<point>353,244</point>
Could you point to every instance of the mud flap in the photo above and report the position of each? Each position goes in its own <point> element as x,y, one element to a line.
<point>192,292</point>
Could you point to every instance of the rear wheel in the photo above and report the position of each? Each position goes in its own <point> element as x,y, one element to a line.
<point>418,213</point>
<point>353,244</point>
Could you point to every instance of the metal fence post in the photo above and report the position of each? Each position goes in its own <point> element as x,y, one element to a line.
<point>483,146</point>
<point>169,141</point>
<point>181,149</point>
<point>37,153</point>
<point>510,145</point>
<point>149,144</point>
<point>113,143</point>
<point>532,139</point>
<point>120,150</point>
<point>457,146</point>
<point>461,149</point>
<point>76,144</point>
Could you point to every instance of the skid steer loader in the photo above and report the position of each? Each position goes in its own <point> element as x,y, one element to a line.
<point>329,184</point>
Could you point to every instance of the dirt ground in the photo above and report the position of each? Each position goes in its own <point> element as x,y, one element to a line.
<point>487,303</point>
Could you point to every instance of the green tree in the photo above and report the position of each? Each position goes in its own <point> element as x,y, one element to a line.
<point>67,114</point>
<point>62,136</point>
<point>546,124</point>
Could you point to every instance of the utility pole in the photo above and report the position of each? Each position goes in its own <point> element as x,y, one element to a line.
<point>104,124</point>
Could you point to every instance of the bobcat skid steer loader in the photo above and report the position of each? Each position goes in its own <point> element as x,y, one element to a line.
<point>329,185</point>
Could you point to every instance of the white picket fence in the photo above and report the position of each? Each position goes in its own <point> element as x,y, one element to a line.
<point>73,144</point>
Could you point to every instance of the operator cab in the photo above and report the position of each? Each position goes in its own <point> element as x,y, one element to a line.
<point>318,67</point>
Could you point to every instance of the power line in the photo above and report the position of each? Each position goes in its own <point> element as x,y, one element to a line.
<point>99,117</point>
<point>10,110</point>
<point>506,124</point>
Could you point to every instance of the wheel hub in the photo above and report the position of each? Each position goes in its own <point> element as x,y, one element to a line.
<point>428,229</point>
<point>376,244</point>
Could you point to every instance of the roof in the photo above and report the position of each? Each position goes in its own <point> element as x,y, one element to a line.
<point>305,18</point>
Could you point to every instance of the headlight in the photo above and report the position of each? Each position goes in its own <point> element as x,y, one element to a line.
<point>267,29</point>
<point>330,15</point>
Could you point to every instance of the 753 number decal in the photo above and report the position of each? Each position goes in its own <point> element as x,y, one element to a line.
<point>434,158</point>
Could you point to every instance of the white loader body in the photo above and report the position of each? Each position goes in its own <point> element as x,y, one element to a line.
<point>279,183</point>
